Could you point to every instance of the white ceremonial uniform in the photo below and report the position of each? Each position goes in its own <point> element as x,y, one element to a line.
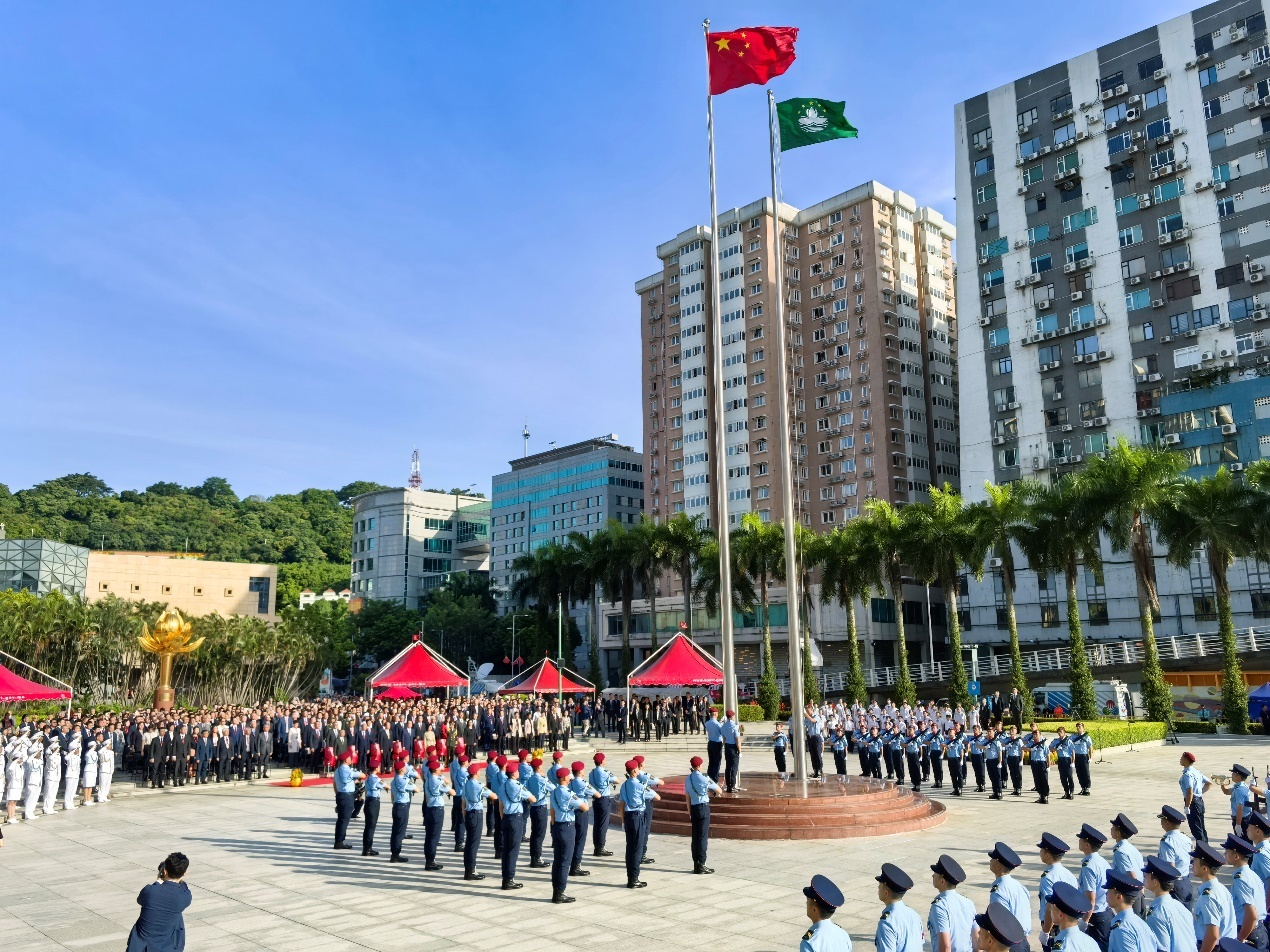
<point>70,776</point>
<point>34,781</point>
<point>52,777</point>
<point>105,771</point>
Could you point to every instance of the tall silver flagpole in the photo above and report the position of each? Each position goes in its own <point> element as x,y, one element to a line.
<point>720,442</point>
<point>790,486</point>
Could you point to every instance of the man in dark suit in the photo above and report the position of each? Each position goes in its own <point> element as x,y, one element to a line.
<point>203,754</point>
<point>180,755</point>
<point>263,752</point>
<point>161,925</point>
<point>157,758</point>
<point>224,756</point>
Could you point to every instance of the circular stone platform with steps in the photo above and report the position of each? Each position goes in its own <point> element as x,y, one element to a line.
<point>766,808</point>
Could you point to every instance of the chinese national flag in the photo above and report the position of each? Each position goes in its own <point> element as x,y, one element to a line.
<point>753,54</point>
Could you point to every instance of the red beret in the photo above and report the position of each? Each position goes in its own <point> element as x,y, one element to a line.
<point>639,759</point>
<point>431,748</point>
<point>729,713</point>
<point>398,764</point>
<point>347,755</point>
<point>578,765</point>
<point>562,773</point>
<point>696,762</point>
<point>492,755</point>
<point>632,765</point>
<point>434,764</point>
<point>522,754</point>
<point>558,755</point>
<point>536,763</point>
<point>474,769</point>
<point>598,758</point>
<point>501,761</point>
<point>462,759</point>
<point>1189,756</point>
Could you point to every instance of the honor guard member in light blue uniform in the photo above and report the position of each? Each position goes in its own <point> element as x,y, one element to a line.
<point>1168,919</point>
<point>935,743</point>
<point>714,743</point>
<point>825,935</point>
<point>403,788</point>
<point>1009,892</point>
<point>1063,749</point>
<point>435,790</point>
<point>955,756</point>
<point>1125,857</point>
<point>780,745</point>
<point>952,916</point>
<point>698,787</point>
<point>646,827</point>
<point>913,757</point>
<point>1194,785</point>
<point>1243,798</point>
<point>346,777</point>
<point>1258,833</point>
<point>998,930</point>
<point>1128,933</point>
<point>513,799</point>
<point>1093,883</point>
<point>602,780</point>
<point>458,780</point>
<point>582,789</point>
<point>1069,906</point>
<point>1038,758</point>
<point>565,804</point>
<point>876,747</point>
<point>540,785</point>
<point>494,778</point>
<point>813,730</point>
<point>976,745</point>
<point>635,797</point>
<point>731,732</point>
<point>370,813</point>
<point>899,928</point>
<point>1082,749</point>
<point>1247,892</point>
<point>860,736</point>
<point>1175,849</point>
<point>474,796</point>
<point>897,753</point>
<point>1052,851</point>
<point>1214,914</point>
<point>1013,747</point>
<point>993,763</point>
<point>839,745</point>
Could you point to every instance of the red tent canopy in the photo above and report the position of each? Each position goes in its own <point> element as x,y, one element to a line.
<point>14,687</point>
<point>678,661</point>
<point>418,666</point>
<point>398,693</point>
<point>546,678</point>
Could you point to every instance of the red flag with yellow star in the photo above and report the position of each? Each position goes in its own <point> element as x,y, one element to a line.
<point>752,54</point>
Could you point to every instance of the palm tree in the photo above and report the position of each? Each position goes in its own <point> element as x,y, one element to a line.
<point>943,540</point>
<point>1222,517</point>
<point>684,539</point>
<point>590,558</point>
<point>539,579</point>
<point>1061,536</point>
<point>887,541</point>
<point>1000,520</point>
<point>650,561</point>
<point>846,578</point>
<point>809,549</point>
<point>618,580</point>
<point>759,550</point>
<point>1128,488</point>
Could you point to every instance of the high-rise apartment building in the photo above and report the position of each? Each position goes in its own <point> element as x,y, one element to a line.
<point>1114,214</point>
<point>548,496</point>
<point>872,351</point>
<point>407,542</point>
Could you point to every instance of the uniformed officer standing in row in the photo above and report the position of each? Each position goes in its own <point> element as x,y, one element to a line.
<point>1093,883</point>
<point>474,796</point>
<point>698,788</point>
<point>602,780</point>
<point>1175,849</point>
<point>1167,918</point>
<point>1128,933</point>
<point>1070,906</point>
<point>1052,851</point>
<point>583,790</point>
<point>825,935</point>
<point>899,928</point>
<point>403,788</point>
<point>1008,891</point>
<point>1194,785</point>
<point>1214,913</point>
<point>634,796</point>
<point>1038,758</point>
<point>952,915</point>
<point>515,796</point>
<point>370,813</point>
<point>564,807</point>
<point>435,790</point>
<point>1247,893</point>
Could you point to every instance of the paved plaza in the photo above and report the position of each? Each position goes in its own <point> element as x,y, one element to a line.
<point>264,876</point>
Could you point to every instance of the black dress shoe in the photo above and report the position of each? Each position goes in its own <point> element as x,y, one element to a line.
<point>433,867</point>
<point>579,871</point>
<point>458,849</point>
<point>410,836</point>
<point>539,864</point>
<point>512,884</point>
<point>647,861</point>
<point>370,852</point>
<point>561,897</point>
<point>473,876</point>
<point>635,884</point>
<point>398,859</point>
<point>702,870</point>
<point>1084,793</point>
<point>602,853</point>
<point>342,846</point>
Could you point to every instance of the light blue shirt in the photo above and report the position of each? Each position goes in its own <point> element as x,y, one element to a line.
<point>633,794</point>
<point>714,730</point>
<point>537,785</point>
<point>698,786</point>
<point>825,936</point>
<point>899,929</point>
<point>494,778</point>
<point>1013,895</point>
<point>1083,744</point>
<point>1214,907</point>
<point>1261,861</point>
<point>602,781</point>
<point>1062,746</point>
<point>1240,795</point>
<point>458,774</point>
<point>582,789</point>
<point>1093,879</point>
<point>1192,781</point>
<point>1052,876</point>
<point>1125,858</point>
<point>475,795</point>
<point>1014,748</point>
<point>1128,933</point>
<point>345,778</point>
<point>565,802</point>
<point>1073,940</point>
<point>1247,889</point>
<point>1175,848</point>
<point>954,914</point>
<point>1170,921</point>
<point>434,790</point>
<point>1039,754</point>
<point>513,797</point>
<point>403,788</point>
<point>374,786</point>
<point>730,731</point>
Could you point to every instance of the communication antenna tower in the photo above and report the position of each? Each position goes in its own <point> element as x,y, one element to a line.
<point>416,478</point>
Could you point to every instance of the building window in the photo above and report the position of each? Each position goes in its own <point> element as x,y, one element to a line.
<point>261,587</point>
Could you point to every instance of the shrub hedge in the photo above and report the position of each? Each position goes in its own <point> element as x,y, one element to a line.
<point>1111,733</point>
<point>750,712</point>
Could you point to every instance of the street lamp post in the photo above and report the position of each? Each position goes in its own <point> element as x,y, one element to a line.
<point>560,649</point>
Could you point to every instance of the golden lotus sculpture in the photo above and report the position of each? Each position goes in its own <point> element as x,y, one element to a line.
<point>172,635</point>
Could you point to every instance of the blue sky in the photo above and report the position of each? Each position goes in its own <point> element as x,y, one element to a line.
<point>285,243</point>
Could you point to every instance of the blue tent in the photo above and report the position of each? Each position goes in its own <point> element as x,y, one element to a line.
<point>1257,698</point>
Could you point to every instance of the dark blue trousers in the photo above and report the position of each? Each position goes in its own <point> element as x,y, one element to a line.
<point>562,839</point>
<point>603,809</point>
<point>343,813</point>
<point>513,832</point>
<point>433,826</point>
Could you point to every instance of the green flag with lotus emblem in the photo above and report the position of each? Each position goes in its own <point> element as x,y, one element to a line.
<point>808,121</point>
